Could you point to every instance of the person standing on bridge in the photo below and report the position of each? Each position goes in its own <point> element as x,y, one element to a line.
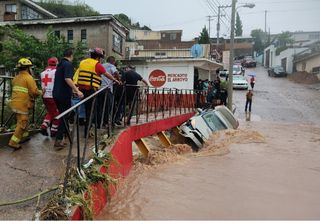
<point>24,92</point>
<point>47,83</point>
<point>62,92</point>
<point>131,78</point>
<point>89,79</point>
<point>110,68</point>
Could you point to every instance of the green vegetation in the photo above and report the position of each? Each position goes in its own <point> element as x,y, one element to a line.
<point>204,36</point>
<point>260,40</point>
<point>63,9</point>
<point>80,189</point>
<point>17,44</point>
<point>238,30</point>
<point>284,40</point>
<point>123,18</point>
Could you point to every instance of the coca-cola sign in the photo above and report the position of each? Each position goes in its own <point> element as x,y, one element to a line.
<point>157,78</point>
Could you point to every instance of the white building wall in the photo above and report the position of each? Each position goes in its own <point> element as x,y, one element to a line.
<point>289,53</point>
<point>170,69</point>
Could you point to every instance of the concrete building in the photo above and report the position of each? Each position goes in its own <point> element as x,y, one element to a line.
<point>176,73</point>
<point>302,41</point>
<point>14,10</point>
<point>96,31</point>
<point>163,35</point>
<point>159,44</point>
<point>309,60</point>
<point>242,46</point>
<point>284,58</point>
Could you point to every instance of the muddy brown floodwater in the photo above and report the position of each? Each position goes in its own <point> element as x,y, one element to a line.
<point>268,169</point>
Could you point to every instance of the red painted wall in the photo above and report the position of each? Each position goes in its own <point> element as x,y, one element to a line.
<point>122,154</point>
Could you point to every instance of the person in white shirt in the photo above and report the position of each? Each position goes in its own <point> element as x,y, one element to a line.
<point>47,83</point>
<point>110,68</point>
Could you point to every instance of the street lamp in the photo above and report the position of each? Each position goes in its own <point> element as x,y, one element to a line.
<point>230,74</point>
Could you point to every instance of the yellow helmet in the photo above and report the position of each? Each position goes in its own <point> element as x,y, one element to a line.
<point>24,62</point>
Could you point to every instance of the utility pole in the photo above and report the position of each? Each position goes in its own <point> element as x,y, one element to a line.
<point>230,74</point>
<point>218,28</point>
<point>210,18</point>
<point>265,21</point>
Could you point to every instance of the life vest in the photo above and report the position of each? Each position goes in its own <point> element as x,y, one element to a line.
<point>87,73</point>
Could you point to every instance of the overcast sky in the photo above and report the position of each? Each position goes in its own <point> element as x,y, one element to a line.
<point>191,15</point>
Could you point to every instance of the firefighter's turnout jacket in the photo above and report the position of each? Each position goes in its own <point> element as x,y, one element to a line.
<point>24,91</point>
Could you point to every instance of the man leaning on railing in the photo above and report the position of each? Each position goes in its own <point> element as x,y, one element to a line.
<point>62,92</point>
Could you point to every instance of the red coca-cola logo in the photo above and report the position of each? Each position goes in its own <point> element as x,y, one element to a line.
<point>157,78</point>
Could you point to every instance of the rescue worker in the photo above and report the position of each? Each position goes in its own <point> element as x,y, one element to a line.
<point>24,91</point>
<point>88,78</point>
<point>47,83</point>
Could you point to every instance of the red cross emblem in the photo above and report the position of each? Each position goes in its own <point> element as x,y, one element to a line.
<point>46,80</point>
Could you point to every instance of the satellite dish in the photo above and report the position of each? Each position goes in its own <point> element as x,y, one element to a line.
<point>196,51</point>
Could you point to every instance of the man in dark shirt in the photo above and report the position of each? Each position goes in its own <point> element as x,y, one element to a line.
<point>62,92</point>
<point>131,78</point>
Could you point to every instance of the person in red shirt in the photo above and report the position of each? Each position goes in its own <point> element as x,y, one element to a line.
<point>252,82</point>
<point>89,78</point>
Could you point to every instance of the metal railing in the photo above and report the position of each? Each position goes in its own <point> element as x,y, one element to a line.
<point>7,116</point>
<point>128,102</point>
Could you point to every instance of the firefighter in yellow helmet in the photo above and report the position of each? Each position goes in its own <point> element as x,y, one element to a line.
<point>24,92</point>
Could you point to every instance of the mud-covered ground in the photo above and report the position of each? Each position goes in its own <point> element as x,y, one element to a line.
<point>269,169</point>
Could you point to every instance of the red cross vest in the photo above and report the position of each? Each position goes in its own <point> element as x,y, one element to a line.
<point>47,81</point>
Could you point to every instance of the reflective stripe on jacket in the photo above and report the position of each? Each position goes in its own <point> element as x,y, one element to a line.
<point>87,73</point>
<point>24,91</point>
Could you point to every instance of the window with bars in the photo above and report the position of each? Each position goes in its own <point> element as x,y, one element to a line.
<point>11,8</point>
<point>70,36</point>
<point>28,13</point>
<point>84,35</point>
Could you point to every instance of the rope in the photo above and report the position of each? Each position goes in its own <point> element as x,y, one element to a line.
<point>29,198</point>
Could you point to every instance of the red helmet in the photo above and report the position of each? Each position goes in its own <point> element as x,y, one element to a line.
<point>53,61</point>
<point>98,51</point>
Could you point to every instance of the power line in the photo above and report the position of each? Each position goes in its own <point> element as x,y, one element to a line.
<point>213,8</point>
<point>276,11</point>
<point>224,10</point>
<point>284,2</point>
<point>181,23</point>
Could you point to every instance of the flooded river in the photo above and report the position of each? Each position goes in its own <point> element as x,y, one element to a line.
<point>269,169</point>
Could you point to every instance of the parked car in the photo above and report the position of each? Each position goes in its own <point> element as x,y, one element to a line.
<point>238,69</point>
<point>240,82</point>
<point>198,129</point>
<point>249,62</point>
<point>239,59</point>
<point>277,71</point>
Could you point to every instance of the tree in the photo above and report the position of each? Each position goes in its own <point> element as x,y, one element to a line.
<point>284,39</point>
<point>204,36</point>
<point>124,19</point>
<point>260,38</point>
<point>238,30</point>
<point>19,44</point>
<point>63,9</point>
